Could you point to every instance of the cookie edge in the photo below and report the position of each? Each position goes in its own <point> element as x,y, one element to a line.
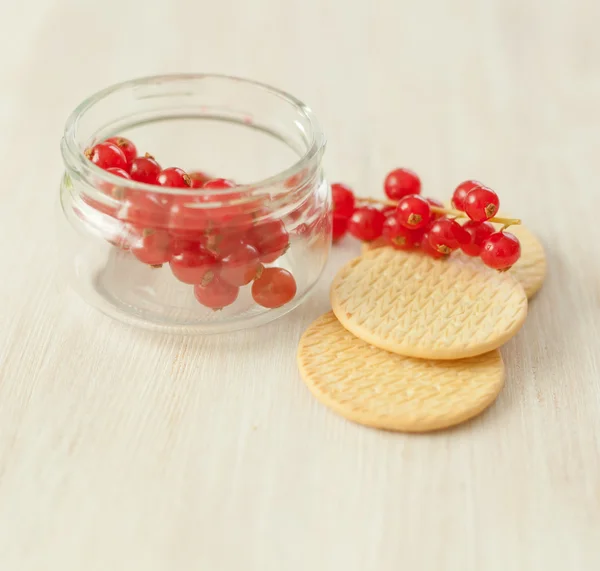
<point>398,425</point>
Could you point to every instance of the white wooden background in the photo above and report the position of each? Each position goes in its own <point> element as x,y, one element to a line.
<point>123,450</point>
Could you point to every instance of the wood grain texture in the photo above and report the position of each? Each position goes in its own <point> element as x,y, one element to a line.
<point>121,449</point>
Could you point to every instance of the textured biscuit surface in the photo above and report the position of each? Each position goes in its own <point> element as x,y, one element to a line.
<point>413,305</point>
<point>380,389</point>
<point>530,270</point>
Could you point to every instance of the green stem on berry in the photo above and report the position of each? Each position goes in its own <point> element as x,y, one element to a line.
<point>449,211</point>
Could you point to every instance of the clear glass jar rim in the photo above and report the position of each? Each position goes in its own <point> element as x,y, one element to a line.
<point>74,156</point>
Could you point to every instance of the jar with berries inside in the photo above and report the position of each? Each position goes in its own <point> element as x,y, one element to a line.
<point>194,203</point>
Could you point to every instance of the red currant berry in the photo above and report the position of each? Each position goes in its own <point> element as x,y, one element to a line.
<point>400,237</point>
<point>501,250</point>
<point>401,182</point>
<point>145,209</point>
<point>460,194</point>
<point>445,235</point>
<point>174,177</point>
<point>462,235</point>
<point>219,184</point>
<point>429,250</point>
<point>107,155</point>
<point>481,204</point>
<point>413,212</point>
<point>119,172</point>
<point>438,204</point>
<point>271,239</point>
<point>221,244</point>
<point>216,293</point>
<point>109,188</point>
<point>128,148</point>
<point>274,287</point>
<point>478,233</point>
<point>192,264</point>
<point>181,244</point>
<point>187,219</point>
<point>343,200</point>
<point>241,265</point>
<point>231,219</point>
<point>144,169</point>
<point>198,178</point>
<point>339,227</point>
<point>366,223</point>
<point>153,247</point>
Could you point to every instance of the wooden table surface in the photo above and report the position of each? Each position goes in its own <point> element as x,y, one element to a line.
<point>126,450</point>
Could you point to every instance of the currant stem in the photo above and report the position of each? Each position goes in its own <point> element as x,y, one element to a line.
<point>439,210</point>
<point>460,214</point>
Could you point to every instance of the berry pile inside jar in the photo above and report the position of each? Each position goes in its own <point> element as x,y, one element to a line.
<point>409,221</point>
<point>215,249</point>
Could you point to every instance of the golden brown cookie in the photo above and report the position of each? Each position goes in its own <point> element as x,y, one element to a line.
<point>530,270</point>
<point>380,389</point>
<point>413,305</point>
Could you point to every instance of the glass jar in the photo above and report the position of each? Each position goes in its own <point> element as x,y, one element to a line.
<point>167,258</point>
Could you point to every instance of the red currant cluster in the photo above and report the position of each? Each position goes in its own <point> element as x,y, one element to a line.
<point>217,249</point>
<point>411,222</point>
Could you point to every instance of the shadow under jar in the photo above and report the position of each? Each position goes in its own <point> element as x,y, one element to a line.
<point>196,260</point>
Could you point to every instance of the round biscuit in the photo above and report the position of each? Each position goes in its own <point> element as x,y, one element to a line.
<point>376,388</point>
<point>530,269</point>
<point>413,305</point>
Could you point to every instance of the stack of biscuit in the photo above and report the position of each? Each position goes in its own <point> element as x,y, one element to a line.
<point>411,343</point>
